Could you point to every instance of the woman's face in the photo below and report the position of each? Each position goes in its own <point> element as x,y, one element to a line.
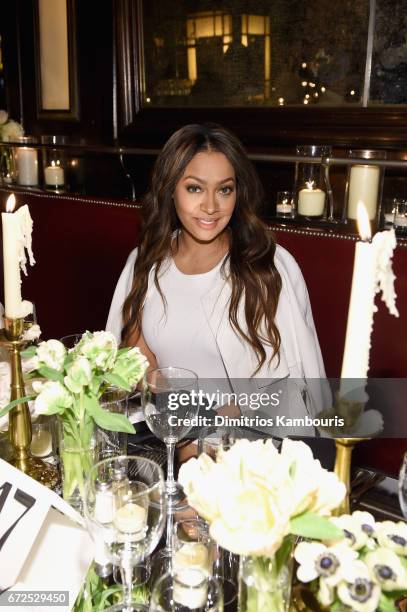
<point>205,196</point>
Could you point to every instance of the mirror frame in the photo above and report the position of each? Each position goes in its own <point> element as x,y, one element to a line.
<point>258,127</point>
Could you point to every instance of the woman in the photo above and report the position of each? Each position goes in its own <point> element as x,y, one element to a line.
<point>208,289</point>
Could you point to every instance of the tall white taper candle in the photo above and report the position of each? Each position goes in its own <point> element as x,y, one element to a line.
<point>17,227</point>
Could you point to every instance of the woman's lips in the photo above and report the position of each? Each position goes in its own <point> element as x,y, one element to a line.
<point>206,223</point>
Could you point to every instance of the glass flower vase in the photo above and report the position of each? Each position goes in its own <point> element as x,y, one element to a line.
<point>265,583</point>
<point>77,454</point>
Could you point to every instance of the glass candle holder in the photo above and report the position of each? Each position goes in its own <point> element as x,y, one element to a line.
<point>284,206</point>
<point>364,184</point>
<point>310,189</point>
<point>54,163</point>
<point>400,218</point>
<point>43,441</point>
<point>26,162</point>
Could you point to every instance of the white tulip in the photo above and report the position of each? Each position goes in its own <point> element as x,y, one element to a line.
<point>51,354</point>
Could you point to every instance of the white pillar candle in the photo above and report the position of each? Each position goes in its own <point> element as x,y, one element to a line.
<point>27,166</point>
<point>17,229</point>
<point>363,187</point>
<point>54,175</point>
<point>284,209</point>
<point>190,588</point>
<point>104,506</point>
<point>41,442</point>
<point>192,554</point>
<point>400,221</point>
<point>311,202</point>
<point>131,518</point>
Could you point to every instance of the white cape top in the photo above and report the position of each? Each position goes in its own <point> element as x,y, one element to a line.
<point>300,355</point>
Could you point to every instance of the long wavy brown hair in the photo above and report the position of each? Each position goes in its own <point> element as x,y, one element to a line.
<point>252,274</point>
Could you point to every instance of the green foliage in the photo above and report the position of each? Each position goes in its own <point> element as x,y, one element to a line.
<point>309,525</point>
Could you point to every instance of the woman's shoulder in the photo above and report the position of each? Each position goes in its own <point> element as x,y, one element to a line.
<point>287,263</point>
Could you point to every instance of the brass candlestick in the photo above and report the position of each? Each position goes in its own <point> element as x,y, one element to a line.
<point>343,462</point>
<point>19,417</point>
<point>350,412</point>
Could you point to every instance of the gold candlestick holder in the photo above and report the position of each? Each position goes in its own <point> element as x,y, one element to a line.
<point>20,431</point>
<point>350,412</point>
<point>343,464</point>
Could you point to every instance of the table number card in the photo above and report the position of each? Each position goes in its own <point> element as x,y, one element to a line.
<point>25,512</point>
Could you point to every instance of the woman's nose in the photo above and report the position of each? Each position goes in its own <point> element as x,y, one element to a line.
<point>209,204</point>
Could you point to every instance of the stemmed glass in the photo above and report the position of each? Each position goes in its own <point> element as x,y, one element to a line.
<point>403,486</point>
<point>170,401</point>
<point>186,589</point>
<point>125,507</point>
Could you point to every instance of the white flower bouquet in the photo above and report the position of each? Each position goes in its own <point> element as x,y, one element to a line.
<point>255,500</point>
<point>70,385</point>
<point>9,130</point>
<point>365,571</point>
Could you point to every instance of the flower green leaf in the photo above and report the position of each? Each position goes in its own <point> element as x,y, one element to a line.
<point>117,381</point>
<point>29,352</point>
<point>14,403</point>
<point>112,421</point>
<point>309,525</point>
<point>386,604</point>
<point>51,374</point>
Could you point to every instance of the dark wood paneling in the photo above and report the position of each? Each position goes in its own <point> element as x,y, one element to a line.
<point>92,45</point>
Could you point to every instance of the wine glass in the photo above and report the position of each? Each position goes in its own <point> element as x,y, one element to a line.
<point>170,402</point>
<point>186,589</point>
<point>403,486</point>
<point>125,506</point>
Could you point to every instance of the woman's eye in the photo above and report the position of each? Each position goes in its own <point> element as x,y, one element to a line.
<point>226,190</point>
<point>193,189</point>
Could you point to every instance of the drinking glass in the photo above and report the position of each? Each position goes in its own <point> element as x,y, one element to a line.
<point>112,443</point>
<point>186,589</point>
<point>70,340</point>
<point>403,486</point>
<point>125,507</point>
<point>170,401</point>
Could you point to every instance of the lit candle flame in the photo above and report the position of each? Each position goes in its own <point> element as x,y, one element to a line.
<point>310,185</point>
<point>363,222</point>
<point>52,163</point>
<point>11,203</point>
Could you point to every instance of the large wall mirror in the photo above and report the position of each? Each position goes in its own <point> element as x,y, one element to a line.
<point>337,57</point>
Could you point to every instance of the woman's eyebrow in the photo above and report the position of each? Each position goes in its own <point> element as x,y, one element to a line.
<point>196,178</point>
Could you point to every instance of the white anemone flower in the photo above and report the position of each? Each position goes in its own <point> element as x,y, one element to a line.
<point>355,536</point>
<point>319,561</point>
<point>358,590</point>
<point>387,569</point>
<point>393,536</point>
<point>366,521</point>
